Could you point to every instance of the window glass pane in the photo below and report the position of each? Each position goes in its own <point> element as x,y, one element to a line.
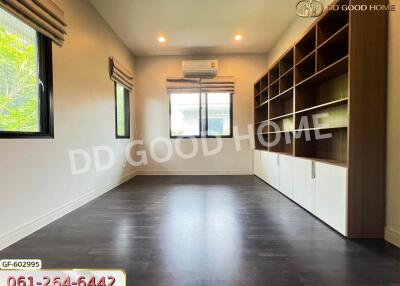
<point>185,114</point>
<point>120,98</point>
<point>219,118</point>
<point>19,96</point>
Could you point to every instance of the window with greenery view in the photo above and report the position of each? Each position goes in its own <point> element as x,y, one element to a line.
<point>219,114</point>
<point>122,111</point>
<point>185,114</point>
<point>24,110</point>
<point>205,115</point>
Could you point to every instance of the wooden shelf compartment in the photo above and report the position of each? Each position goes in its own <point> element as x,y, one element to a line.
<point>264,96</point>
<point>332,22</point>
<point>330,91</point>
<point>261,113</point>
<point>306,68</point>
<point>320,128</point>
<point>287,115</point>
<point>275,82</point>
<point>333,50</point>
<point>281,106</point>
<point>264,82</point>
<point>262,105</point>
<point>337,68</point>
<point>283,95</point>
<point>333,148</point>
<point>315,108</point>
<point>327,117</point>
<point>288,71</point>
<point>259,144</point>
<point>274,90</point>
<point>273,74</point>
<point>338,36</point>
<point>306,45</point>
<point>261,122</point>
<point>261,127</point>
<point>257,88</point>
<point>285,124</point>
<point>286,63</point>
<point>257,100</point>
<point>286,81</point>
<point>281,142</point>
<point>307,57</point>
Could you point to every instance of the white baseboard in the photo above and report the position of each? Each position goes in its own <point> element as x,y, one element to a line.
<point>392,235</point>
<point>192,173</point>
<point>30,227</point>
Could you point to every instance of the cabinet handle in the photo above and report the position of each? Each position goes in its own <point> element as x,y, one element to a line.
<point>312,170</point>
<point>278,160</point>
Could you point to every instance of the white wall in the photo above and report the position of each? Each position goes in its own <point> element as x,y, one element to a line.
<point>292,34</point>
<point>36,184</point>
<point>153,113</point>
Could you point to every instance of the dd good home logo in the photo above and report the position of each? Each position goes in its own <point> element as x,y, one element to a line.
<point>309,8</point>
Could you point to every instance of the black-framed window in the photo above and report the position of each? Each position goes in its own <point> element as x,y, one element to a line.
<point>194,114</point>
<point>26,79</point>
<point>122,112</point>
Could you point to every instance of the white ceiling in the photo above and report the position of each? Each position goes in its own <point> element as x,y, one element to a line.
<point>197,26</point>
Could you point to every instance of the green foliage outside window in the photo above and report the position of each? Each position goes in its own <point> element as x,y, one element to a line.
<point>121,129</point>
<point>19,103</point>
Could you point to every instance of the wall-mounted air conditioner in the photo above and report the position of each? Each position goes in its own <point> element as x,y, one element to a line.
<point>200,68</point>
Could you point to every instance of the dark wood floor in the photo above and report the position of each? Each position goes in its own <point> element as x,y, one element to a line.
<point>222,230</point>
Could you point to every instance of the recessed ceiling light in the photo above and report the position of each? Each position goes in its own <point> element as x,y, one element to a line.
<point>162,39</point>
<point>238,37</point>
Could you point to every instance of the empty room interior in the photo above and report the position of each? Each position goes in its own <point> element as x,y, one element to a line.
<point>223,143</point>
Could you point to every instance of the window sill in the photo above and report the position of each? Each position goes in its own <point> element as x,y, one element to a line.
<point>201,137</point>
<point>25,135</point>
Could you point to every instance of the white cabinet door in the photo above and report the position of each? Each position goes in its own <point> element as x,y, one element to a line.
<point>263,166</point>
<point>303,184</point>
<point>269,162</point>
<point>331,195</point>
<point>273,170</point>
<point>286,175</point>
<point>257,163</point>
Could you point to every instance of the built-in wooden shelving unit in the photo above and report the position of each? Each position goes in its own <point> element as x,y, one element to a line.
<point>309,81</point>
<point>336,72</point>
